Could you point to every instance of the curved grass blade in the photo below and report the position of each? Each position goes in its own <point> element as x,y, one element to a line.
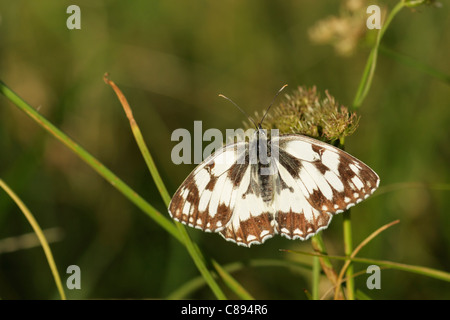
<point>199,261</point>
<point>327,267</point>
<point>193,250</point>
<point>411,185</point>
<point>140,141</point>
<point>411,62</point>
<point>362,296</point>
<point>355,252</point>
<point>196,283</point>
<point>425,271</point>
<point>232,283</point>
<point>107,174</point>
<point>37,229</point>
<point>356,274</point>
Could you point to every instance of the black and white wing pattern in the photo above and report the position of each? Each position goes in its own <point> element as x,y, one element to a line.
<point>316,181</point>
<point>313,181</point>
<point>205,199</point>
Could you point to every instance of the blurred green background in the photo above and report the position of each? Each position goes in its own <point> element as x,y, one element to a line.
<point>172,59</point>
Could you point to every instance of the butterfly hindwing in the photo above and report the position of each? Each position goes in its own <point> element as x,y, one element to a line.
<point>251,221</point>
<point>296,217</point>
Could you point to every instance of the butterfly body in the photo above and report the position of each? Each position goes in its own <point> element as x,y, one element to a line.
<point>289,184</point>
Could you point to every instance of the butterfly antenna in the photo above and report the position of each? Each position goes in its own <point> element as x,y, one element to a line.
<point>273,100</point>
<point>249,118</point>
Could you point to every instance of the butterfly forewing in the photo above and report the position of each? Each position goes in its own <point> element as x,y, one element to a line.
<point>205,199</point>
<point>224,197</point>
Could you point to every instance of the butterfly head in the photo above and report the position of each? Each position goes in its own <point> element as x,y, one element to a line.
<point>268,108</point>
<point>258,126</point>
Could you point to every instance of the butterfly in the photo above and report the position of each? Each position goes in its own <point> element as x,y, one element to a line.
<point>292,185</point>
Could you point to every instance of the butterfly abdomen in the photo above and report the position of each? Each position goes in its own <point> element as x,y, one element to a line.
<point>266,188</point>
<point>265,169</point>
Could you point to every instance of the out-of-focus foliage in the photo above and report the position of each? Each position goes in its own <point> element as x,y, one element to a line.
<point>172,59</point>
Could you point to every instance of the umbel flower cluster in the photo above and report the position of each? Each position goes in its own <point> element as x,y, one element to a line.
<point>347,30</point>
<point>344,31</point>
<point>305,112</point>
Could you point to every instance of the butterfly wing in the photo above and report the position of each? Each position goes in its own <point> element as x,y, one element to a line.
<point>203,199</point>
<point>222,195</point>
<point>252,219</point>
<point>315,181</point>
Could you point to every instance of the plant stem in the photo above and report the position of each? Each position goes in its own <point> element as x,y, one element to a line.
<point>369,70</point>
<point>348,248</point>
<point>316,278</point>
<point>325,263</point>
<point>318,245</point>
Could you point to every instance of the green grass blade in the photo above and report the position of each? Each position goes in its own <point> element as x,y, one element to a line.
<point>200,263</point>
<point>425,271</point>
<point>362,296</point>
<point>353,253</point>
<point>411,185</point>
<point>196,283</point>
<point>193,250</point>
<point>187,289</point>
<point>232,283</point>
<point>107,174</point>
<point>411,62</point>
<point>37,229</point>
<point>140,142</point>
<point>356,274</point>
<point>308,295</point>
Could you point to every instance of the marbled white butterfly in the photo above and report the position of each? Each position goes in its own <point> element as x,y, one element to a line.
<point>309,181</point>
